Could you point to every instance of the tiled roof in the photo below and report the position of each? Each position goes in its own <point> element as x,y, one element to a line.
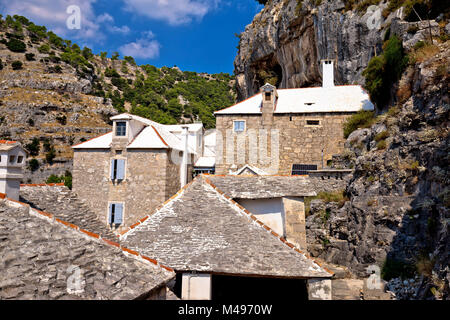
<point>258,187</point>
<point>201,229</point>
<point>6,145</point>
<point>40,253</point>
<point>65,205</point>
<point>348,98</point>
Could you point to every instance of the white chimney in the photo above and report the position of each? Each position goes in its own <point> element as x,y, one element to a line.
<point>184,161</point>
<point>12,159</point>
<point>327,73</point>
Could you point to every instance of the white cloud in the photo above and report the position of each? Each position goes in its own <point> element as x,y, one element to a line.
<point>175,12</point>
<point>53,15</point>
<point>145,47</point>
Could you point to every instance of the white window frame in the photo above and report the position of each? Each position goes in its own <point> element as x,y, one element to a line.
<point>126,129</point>
<point>124,169</point>
<point>234,126</point>
<point>123,212</point>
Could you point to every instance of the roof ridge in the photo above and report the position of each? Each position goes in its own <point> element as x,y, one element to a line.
<point>94,236</point>
<point>157,133</point>
<point>42,184</point>
<point>263,225</point>
<point>75,145</point>
<point>158,208</point>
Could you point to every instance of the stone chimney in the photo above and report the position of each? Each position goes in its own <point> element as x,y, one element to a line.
<point>184,161</point>
<point>327,73</point>
<point>12,159</point>
<point>269,100</point>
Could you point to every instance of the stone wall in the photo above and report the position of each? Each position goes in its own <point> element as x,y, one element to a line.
<point>150,179</point>
<point>299,143</point>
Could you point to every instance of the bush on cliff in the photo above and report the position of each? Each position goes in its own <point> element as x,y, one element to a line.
<point>361,119</point>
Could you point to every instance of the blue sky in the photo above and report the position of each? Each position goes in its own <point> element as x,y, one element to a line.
<point>195,35</point>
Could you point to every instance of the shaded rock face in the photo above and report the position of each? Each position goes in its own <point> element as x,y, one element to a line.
<point>399,197</point>
<point>284,45</point>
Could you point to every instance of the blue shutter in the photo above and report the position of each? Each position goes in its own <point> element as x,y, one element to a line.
<point>118,215</point>
<point>120,169</point>
<point>110,213</point>
<point>112,169</point>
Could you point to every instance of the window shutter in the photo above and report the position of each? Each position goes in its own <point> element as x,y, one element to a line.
<point>120,169</point>
<point>112,169</point>
<point>110,213</point>
<point>118,216</point>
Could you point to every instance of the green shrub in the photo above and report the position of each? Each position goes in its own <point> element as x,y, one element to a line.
<point>29,56</point>
<point>382,136</point>
<point>16,65</point>
<point>384,70</point>
<point>16,45</point>
<point>45,48</point>
<point>381,145</point>
<point>50,155</point>
<point>33,147</point>
<point>66,179</point>
<point>33,165</point>
<point>361,119</point>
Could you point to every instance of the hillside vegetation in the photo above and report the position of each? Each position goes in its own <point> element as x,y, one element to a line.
<point>55,94</point>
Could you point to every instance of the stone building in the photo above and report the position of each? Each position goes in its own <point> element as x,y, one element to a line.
<point>126,173</point>
<point>12,159</point>
<point>221,250</point>
<point>287,131</point>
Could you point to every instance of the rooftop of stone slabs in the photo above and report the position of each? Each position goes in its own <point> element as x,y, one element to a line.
<point>63,204</point>
<point>202,230</point>
<point>348,98</point>
<point>40,255</point>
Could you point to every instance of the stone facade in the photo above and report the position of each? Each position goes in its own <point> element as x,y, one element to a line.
<point>298,141</point>
<point>150,179</point>
<point>294,210</point>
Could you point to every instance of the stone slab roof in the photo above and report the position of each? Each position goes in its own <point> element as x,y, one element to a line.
<point>64,204</point>
<point>260,187</point>
<point>347,98</point>
<point>201,229</point>
<point>39,255</point>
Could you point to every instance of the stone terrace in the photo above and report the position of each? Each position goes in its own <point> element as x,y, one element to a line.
<point>64,204</point>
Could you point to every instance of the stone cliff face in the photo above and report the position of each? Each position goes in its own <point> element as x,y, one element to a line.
<point>397,214</point>
<point>285,43</point>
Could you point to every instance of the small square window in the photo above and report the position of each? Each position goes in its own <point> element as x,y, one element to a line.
<point>121,129</point>
<point>268,96</point>
<point>239,126</point>
<point>19,159</point>
<point>12,159</point>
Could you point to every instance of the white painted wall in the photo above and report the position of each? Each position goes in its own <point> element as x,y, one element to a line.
<point>269,211</point>
<point>11,172</point>
<point>196,286</point>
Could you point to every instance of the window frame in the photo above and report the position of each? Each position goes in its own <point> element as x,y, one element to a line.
<point>112,224</point>
<point>121,128</point>
<point>114,168</point>
<point>234,126</point>
<point>319,124</point>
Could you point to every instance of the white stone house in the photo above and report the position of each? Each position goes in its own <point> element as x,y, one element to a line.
<point>124,174</point>
<point>12,159</point>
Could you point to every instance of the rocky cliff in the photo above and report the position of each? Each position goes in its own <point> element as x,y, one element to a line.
<point>397,212</point>
<point>286,41</point>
